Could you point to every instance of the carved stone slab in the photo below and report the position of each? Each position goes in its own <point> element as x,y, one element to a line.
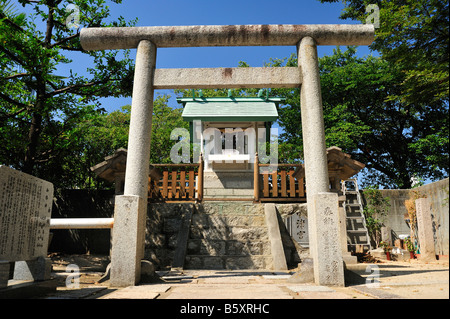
<point>25,211</point>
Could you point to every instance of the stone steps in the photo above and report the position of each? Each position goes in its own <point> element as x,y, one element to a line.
<point>221,235</point>
<point>228,262</point>
<point>228,236</point>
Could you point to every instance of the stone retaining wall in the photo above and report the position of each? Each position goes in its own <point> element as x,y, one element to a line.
<point>438,193</point>
<point>223,235</point>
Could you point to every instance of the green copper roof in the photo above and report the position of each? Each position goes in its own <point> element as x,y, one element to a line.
<point>230,109</point>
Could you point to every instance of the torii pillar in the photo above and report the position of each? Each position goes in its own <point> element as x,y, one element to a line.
<point>323,206</point>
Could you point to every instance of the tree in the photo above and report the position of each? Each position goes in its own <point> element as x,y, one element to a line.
<point>102,134</point>
<point>413,37</point>
<point>375,210</point>
<point>385,130</point>
<point>165,120</point>
<point>39,110</point>
<point>363,119</point>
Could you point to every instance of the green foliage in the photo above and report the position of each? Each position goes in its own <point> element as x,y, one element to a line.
<point>409,244</point>
<point>40,110</point>
<point>413,40</point>
<point>375,210</point>
<point>102,134</point>
<point>396,140</point>
<point>165,119</point>
<point>414,34</point>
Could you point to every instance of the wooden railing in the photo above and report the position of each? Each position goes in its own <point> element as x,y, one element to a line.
<point>176,182</point>
<point>184,182</point>
<point>280,184</point>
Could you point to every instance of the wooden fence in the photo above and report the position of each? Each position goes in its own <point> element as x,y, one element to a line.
<point>176,182</point>
<point>280,184</point>
<point>184,182</point>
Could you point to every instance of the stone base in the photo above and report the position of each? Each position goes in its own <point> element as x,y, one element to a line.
<point>127,240</point>
<point>228,185</point>
<point>37,270</point>
<point>379,253</point>
<point>349,259</point>
<point>305,273</point>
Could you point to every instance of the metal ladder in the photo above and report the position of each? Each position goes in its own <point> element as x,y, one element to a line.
<point>357,234</point>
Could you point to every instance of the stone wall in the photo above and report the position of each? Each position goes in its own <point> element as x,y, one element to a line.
<point>223,235</point>
<point>164,221</point>
<point>163,224</point>
<point>438,193</point>
<point>228,185</point>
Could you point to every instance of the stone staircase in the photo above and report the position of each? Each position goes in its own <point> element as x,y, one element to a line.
<point>228,235</point>
<point>219,235</point>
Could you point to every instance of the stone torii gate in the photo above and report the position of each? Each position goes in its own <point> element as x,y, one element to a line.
<point>131,208</point>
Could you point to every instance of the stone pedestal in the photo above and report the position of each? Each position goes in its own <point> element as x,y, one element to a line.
<point>326,252</point>
<point>38,269</point>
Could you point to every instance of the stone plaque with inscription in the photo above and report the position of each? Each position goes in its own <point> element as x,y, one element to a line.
<point>297,226</point>
<point>25,211</point>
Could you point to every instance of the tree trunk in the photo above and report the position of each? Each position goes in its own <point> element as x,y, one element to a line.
<point>33,141</point>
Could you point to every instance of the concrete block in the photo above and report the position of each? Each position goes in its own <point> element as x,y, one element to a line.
<point>38,269</point>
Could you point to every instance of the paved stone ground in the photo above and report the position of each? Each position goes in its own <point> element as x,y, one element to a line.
<point>384,280</point>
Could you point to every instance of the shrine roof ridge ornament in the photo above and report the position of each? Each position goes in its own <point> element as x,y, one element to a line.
<point>111,38</point>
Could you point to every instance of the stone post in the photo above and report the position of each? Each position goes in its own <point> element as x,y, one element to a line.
<point>425,229</point>
<point>201,169</point>
<point>313,130</point>
<point>131,208</point>
<point>138,155</point>
<point>315,153</point>
<point>327,253</point>
<point>386,235</point>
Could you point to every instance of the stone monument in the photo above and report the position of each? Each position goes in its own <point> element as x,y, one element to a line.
<point>425,229</point>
